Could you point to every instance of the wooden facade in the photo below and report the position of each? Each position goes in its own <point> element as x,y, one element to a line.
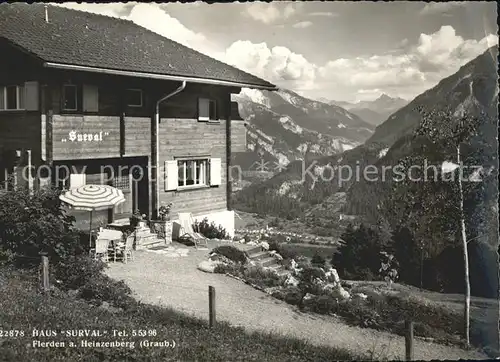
<point>104,130</point>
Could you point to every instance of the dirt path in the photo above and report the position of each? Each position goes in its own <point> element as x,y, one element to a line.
<point>175,282</point>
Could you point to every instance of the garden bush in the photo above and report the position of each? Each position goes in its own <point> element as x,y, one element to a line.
<point>282,249</point>
<point>236,270</point>
<point>292,296</point>
<point>231,253</point>
<point>263,277</point>
<point>318,261</point>
<point>30,224</point>
<point>210,230</point>
<point>308,281</point>
<point>275,223</point>
<point>323,304</point>
<point>104,289</point>
<point>76,271</point>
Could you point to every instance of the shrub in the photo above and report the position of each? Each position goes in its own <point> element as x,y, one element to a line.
<point>30,224</point>
<point>210,230</point>
<point>324,304</point>
<point>275,223</point>
<point>263,277</point>
<point>358,257</point>
<point>389,268</point>
<point>231,253</point>
<point>228,268</point>
<point>318,261</point>
<point>292,296</point>
<point>308,280</point>
<point>282,249</point>
<point>77,271</point>
<point>104,289</point>
<point>274,245</point>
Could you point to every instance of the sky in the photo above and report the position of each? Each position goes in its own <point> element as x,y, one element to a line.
<point>343,51</point>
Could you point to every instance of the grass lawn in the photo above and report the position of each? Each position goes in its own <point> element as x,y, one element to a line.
<point>483,314</point>
<point>23,307</point>
<point>309,250</point>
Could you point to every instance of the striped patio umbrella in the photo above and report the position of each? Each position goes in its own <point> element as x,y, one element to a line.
<point>93,198</point>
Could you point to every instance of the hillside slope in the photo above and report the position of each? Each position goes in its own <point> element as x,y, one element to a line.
<point>283,126</point>
<point>473,89</point>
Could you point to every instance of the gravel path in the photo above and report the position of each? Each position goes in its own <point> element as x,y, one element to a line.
<point>176,283</point>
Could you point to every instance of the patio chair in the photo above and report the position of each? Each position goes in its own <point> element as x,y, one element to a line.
<point>186,222</point>
<point>101,250</point>
<point>125,250</point>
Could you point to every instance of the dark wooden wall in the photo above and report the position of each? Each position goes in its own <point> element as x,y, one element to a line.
<point>127,131</point>
<point>19,129</point>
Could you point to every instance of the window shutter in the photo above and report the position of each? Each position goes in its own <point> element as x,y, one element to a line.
<point>171,176</point>
<point>203,109</point>
<point>76,180</point>
<point>215,172</point>
<point>31,100</point>
<point>90,98</point>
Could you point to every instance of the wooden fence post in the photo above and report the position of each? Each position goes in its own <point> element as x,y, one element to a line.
<point>45,271</point>
<point>211,306</point>
<point>409,340</point>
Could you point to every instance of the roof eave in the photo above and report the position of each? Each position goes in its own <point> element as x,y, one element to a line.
<point>128,73</point>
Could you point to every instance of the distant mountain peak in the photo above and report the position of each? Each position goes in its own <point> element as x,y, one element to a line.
<point>384,96</point>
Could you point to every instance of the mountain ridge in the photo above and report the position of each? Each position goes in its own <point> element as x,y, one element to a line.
<point>283,126</point>
<point>472,90</point>
<point>376,111</point>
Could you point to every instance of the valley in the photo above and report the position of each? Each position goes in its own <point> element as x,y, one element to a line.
<point>416,132</point>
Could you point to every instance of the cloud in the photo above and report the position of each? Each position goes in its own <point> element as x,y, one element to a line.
<point>153,18</point>
<point>446,50</point>
<point>268,13</point>
<point>302,24</point>
<point>324,13</point>
<point>417,65</point>
<point>441,7</point>
<point>277,64</point>
<point>115,10</point>
<point>405,74</point>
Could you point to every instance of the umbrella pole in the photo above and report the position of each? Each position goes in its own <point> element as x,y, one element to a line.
<point>90,231</point>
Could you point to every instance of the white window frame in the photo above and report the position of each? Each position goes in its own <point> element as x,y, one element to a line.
<point>64,97</point>
<point>19,89</point>
<point>204,172</point>
<point>142,97</point>
<point>205,118</point>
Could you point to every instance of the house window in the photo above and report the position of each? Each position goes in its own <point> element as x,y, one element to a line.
<point>207,109</point>
<point>192,172</point>
<point>134,97</point>
<point>122,183</point>
<point>70,93</point>
<point>11,97</point>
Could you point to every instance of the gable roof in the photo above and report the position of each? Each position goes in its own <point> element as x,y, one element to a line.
<point>81,39</point>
